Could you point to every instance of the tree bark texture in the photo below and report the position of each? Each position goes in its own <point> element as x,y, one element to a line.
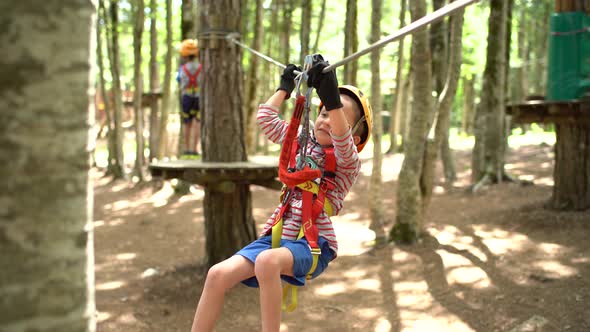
<point>571,190</point>
<point>444,106</point>
<point>319,28</point>
<point>438,47</point>
<point>491,119</point>
<point>188,28</point>
<point>154,81</point>
<point>166,93</point>
<point>408,225</point>
<point>46,238</point>
<point>468,105</point>
<point>229,223</point>
<point>253,81</point>
<point>376,184</point>
<point>305,32</point>
<point>103,16</point>
<point>397,100</point>
<point>351,41</point>
<point>138,91</point>
<point>115,60</point>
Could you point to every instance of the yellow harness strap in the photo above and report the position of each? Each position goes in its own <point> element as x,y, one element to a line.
<point>277,233</point>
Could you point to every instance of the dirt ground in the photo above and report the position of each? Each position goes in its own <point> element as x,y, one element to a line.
<point>491,261</point>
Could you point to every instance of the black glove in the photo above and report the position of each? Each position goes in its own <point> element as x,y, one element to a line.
<point>326,84</point>
<point>288,79</point>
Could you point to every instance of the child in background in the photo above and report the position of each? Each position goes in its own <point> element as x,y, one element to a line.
<point>188,77</point>
<point>343,124</point>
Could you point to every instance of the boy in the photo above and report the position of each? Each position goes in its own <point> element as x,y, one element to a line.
<point>260,265</point>
<point>188,77</point>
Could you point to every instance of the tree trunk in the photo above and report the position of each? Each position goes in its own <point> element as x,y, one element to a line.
<point>438,47</point>
<point>154,81</point>
<point>46,236</point>
<point>376,184</point>
<point>115,60</point>
<point>445,103</point>
<point>406,109</point>
<point>319,28</point>
<point>408,225</point>
<point>253,81</point>
<point>468,105</point>
<point>188,28</point>
<point>229,224</point>
<point>166,93</point>
<point>138,92</point>
<point>490,117</point>
<point>305,29</point>
<point>111,147</point>
<point>396,105</point>
<point>571,190</point>
<point>351,41</point>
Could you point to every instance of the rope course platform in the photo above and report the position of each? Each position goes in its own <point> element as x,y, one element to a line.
<point>543,111</point>
<point>221,176</point>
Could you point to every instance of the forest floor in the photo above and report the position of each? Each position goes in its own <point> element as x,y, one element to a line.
<point>496,260</point>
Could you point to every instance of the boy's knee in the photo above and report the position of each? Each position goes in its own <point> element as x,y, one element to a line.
<point>217,277</point>
<point>266,265</point>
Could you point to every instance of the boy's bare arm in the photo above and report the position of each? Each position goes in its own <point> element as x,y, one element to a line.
<point>277,98</point>
<point>338,123</point>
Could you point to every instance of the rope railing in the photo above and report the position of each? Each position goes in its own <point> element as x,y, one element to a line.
<point>408,29</point>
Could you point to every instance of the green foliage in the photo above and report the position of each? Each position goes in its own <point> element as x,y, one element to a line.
<point>331,42</point>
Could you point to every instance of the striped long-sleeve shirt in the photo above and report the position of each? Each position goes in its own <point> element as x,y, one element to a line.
<point>347,170</point>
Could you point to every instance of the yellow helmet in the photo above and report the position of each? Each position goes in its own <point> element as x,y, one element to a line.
<point>189,47</point>
<point>363,102</point>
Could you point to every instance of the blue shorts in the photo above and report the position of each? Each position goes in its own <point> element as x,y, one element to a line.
<point>190,108</point>
<point>302,259</point>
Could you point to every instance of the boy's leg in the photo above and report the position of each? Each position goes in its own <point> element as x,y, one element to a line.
<point>220,278</point>
<point>188,127</point>
<point>268,268</point>
<point>197,121</point>
<point>197,134</point>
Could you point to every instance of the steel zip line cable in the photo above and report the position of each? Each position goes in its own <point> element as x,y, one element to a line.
<point>416,25</point>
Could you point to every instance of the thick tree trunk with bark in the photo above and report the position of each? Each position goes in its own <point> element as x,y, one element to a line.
<point>408,225</point>
<point>571,190</point>
<point>489,149</point>
<point>229,223</point>
<point>115,60</point>
<point>351,41</point>
<point>138,92</point>
<point>166,93</point>
<point>376,185</point>
<point>305,32</point>
<point>154,81</point>
<point>46,238</point>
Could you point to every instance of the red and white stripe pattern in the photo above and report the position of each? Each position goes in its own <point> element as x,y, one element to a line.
<point>347,171</point>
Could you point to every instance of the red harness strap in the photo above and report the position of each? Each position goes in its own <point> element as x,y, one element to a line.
<point>291,179</point>
<point>192,78</point>
<point>312,205</point>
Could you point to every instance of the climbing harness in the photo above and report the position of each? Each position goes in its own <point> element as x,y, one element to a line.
<point>193,84</point>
